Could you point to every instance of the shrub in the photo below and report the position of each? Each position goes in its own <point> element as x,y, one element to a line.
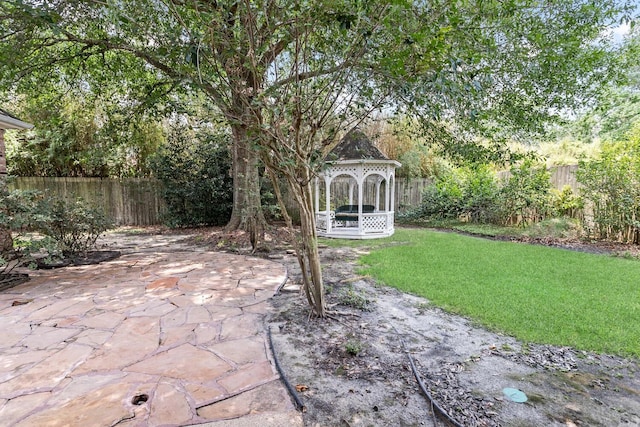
<point>481,193</point>
<point>353,347</point>
<point>17,214</point>
<point>442,200</point>
<point>69,227</point>
<point>525,198</point>
<point>72,224</point>
<point>19,209</point>
<point>474,195</point>
<point>566,203</point>
<point>468,192</point>
<point>197,185</point>
<point>352,298</point>
<point>611,190</point>
<point>559,228</point>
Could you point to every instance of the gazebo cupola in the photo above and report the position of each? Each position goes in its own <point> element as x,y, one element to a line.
<point>354,193</point>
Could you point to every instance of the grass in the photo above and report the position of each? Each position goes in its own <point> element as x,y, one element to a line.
<point>535,293</point>
<point>352,298</point>
<point>353,347</point>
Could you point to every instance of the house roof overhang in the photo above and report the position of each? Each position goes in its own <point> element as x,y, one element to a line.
<point>7,121</point>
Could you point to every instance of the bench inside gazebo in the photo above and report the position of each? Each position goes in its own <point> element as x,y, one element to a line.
<point>354,194</point>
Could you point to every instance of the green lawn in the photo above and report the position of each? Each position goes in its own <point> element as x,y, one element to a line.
<point>535,293</point>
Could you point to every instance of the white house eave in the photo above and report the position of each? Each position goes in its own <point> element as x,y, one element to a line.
<point>7,122</point>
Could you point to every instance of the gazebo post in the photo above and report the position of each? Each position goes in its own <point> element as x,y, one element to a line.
<point>327,201</point>
<point>360,197</point>
<point>392,191</point>
<point>378,182</point>
<point>351,191</point>
<point>316,196</point>
<point>387,207</point>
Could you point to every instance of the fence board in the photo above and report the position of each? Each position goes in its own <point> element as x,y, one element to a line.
<point>565,175</point>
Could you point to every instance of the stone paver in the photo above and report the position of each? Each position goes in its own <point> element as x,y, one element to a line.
<point>164,335</point>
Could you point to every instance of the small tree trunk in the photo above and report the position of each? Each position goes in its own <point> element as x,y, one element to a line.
<point>294,239</point>
<point>307,250</point>
<point>6,241</point>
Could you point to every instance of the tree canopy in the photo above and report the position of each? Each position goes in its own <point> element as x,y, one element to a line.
<point>493,65</point>
<point>619,106</point>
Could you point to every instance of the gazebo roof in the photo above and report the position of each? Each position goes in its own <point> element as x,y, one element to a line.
<point>355,146</point>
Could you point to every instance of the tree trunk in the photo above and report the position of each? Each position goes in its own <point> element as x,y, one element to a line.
<point>6,241</point>
<point>307,250</point>
<point>247,209</point>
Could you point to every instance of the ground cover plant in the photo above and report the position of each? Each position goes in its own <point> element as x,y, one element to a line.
<point>535,293</point>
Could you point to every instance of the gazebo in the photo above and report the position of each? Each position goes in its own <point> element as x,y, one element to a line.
<point>356,189</point>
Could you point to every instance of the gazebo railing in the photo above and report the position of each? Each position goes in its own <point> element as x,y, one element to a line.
<point>372,223</point>
<point>321,220</point>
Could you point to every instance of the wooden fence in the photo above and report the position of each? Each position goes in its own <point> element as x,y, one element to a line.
<point>134,201</point>
<point>137,201</point>
<point>560,176</point>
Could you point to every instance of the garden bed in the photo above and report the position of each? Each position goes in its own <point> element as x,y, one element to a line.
<point>89,258</point>
<point>9,280</point>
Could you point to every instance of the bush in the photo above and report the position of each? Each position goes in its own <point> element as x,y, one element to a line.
<point>525,198</point>
<point>19,209</point>
<point>558,228</point>
<point>69,227</point>
<point>481,194</point>
<point>468,193</point>
<point>18,214</point>
<point>566,203</point>
<point>442,199</point>
<point>611,190</point>
<point>197,185</point>
<point>73,225</point>
<point>474,195</point>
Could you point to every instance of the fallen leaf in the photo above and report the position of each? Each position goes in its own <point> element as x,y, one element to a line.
<point>23,302</point>
<point>301,387</point>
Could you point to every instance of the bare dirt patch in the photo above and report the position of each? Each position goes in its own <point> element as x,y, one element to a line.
<point>353,369</point>
<point>356,367</point>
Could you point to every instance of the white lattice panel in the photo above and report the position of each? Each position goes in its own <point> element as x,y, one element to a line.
<point>379,169</point>
<point>374,223</point>
<point>344,169</point>
<point>321,222</point>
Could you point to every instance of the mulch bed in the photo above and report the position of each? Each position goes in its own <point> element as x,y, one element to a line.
<point>90,258</point>
<point>8,281</point>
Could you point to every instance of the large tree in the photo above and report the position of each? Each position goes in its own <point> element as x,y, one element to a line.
<point>291,76</point>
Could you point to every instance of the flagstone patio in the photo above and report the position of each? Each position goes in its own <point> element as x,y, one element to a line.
<point>164,335</point>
